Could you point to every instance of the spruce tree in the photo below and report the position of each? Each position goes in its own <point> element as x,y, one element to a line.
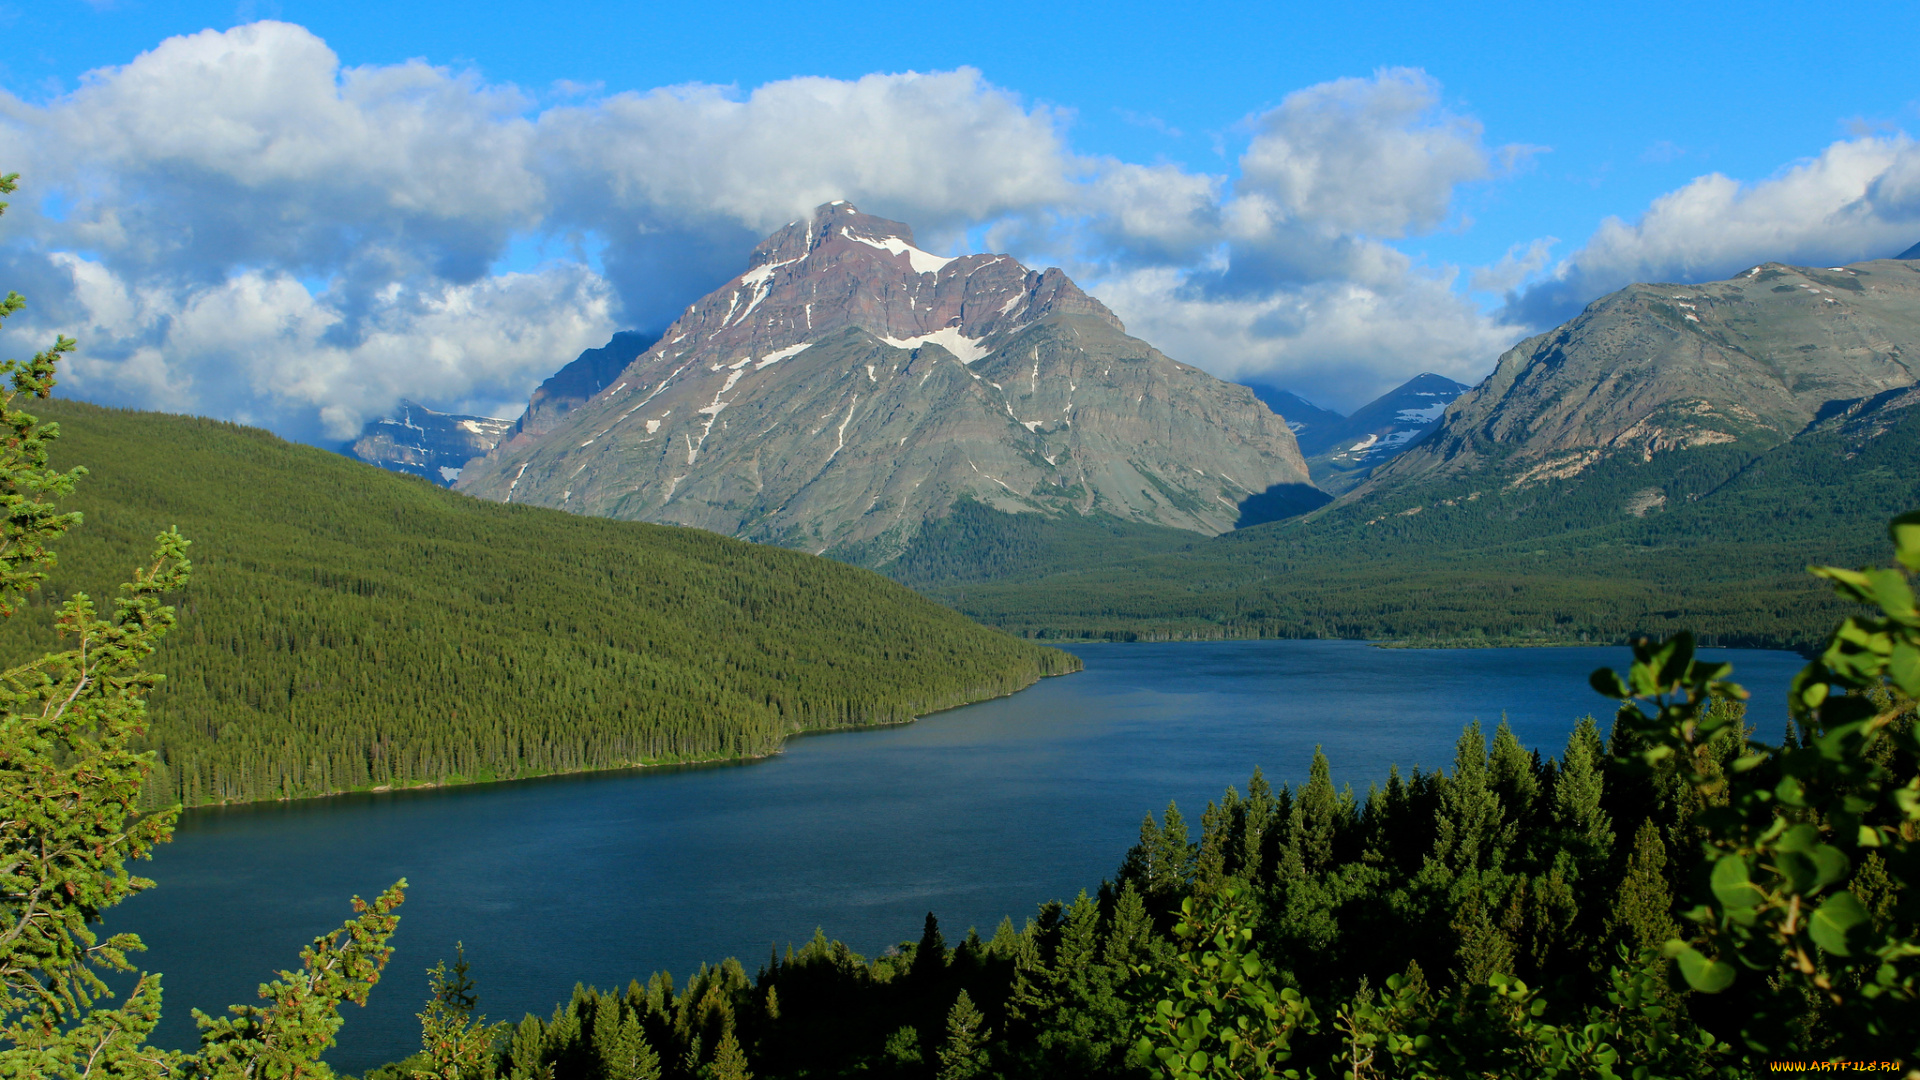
<point>964,1055</point>
<point>456,1044</point>
<point>729,1061</point>
<point>1643,912</point>
<point>930,956</point>
<point>1511,771</point>
<point>1577,792</point>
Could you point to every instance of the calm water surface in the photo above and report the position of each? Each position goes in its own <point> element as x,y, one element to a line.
<point>974,814</point>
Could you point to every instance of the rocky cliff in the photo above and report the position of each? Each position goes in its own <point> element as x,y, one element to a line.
<point>849,386</point>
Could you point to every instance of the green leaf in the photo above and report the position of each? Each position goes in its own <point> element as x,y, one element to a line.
<point>1609,683</point>
<point>1832,863</point>
<point>1891,591</point>
<point>1834,920</point>
<point>1905,532</point>
<point>1904,667</point>
<point>1799,870</point>
<point>1731,885</point>
<point>1802,838</point>
<point>1704,975</point>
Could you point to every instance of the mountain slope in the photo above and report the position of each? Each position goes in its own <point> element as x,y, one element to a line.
<point>1653,369</point>
<point>348,627</point>
<point>849,386</point>
<point>1311,425</point>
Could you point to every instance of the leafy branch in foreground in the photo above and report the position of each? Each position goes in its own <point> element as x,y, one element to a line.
<point>1804,841</point>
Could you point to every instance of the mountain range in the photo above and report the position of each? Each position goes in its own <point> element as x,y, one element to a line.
<point>992,436</point>
<point>1671,458</point>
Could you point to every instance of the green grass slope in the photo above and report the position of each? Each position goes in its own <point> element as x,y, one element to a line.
<point>1476,559</point>
<point>350,628</point>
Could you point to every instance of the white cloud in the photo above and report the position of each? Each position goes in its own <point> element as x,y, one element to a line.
<point>245,228</point>
<point>1859,199</point>
<point>1340,341</point>
<point>260,348</point>
<point>1375,156</point>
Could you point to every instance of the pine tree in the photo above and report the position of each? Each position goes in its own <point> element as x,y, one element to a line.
<point>1257,819</point>
<point>456,1044</point>
<point>620,1047</point>
<point>1474,831</point>
<point>930,956</point>
<point>729,1061</point>
<point>1643,913</point>
<point>1577,794</point>
<point>964,1055</point>
<point>1511,772</point>
<point>523,1052</point>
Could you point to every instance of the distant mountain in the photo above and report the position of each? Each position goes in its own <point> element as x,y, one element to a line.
<point>1657,372</point>
<point>1311,425</point>
<point>1342,456</point>
<point>574,385</point>
<point>849,387</point>
<point>422,442</point>
<point>1911,253</point>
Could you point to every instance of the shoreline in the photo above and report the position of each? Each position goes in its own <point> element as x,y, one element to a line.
<point>695,763</point>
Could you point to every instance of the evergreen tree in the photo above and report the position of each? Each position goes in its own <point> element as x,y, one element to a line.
<point>729,1061</point>
<point>1643,911</point>
<point>964,1055</point>
<point>1577,792</point>
<point>523,1058</point>
<point>1512,773</point>
<point>621,1049</point>
<point>456,1044</point>
<point>1474,831</point>
<point>71,774</point>
<point>930,956</point>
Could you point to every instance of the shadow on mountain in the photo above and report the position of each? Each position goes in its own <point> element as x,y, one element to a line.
<point>1280,501</point>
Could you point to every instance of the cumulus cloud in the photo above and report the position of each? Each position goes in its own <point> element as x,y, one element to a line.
<point>1376,156</point>
<point>239,225</point>
<point>1859,199</point>
<point>1283,274</point>
<point>260,348</point>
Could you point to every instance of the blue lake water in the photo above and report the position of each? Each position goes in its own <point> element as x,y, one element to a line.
<point>974,814</point>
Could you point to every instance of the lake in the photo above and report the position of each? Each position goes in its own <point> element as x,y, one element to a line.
<point>974,814</point>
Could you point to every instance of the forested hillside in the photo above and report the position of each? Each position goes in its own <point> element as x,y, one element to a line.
<point>349,628</point>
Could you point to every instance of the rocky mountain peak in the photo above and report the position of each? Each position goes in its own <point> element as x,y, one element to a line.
<point>850,384</point>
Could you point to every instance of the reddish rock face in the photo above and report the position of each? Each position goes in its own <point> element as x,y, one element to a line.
<point>849,385</point>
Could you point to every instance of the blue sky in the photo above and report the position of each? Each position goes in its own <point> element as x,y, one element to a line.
<point>1322,196</point>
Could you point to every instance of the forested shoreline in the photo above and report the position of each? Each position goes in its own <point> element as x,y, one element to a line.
<point>355,629</point>
<point>1463,909</point>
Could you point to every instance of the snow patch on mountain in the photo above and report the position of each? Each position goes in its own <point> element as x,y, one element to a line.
<point>965,349</point>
